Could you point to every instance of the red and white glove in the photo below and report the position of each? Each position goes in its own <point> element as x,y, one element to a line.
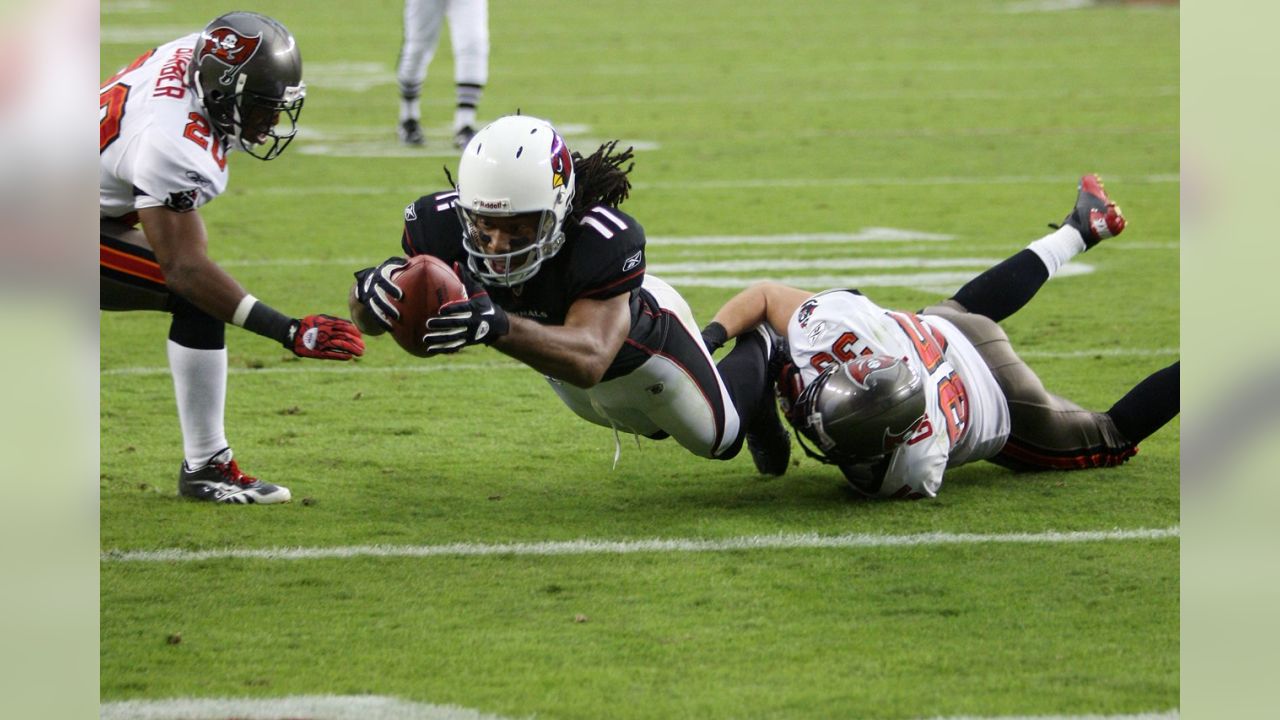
<point>325,337</point>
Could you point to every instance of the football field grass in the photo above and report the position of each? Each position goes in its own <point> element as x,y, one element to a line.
<point>461,545</point>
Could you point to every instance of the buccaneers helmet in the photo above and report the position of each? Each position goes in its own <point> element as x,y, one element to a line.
<point>515,165</point>
<point>247,71</point>
<point>860,409</point>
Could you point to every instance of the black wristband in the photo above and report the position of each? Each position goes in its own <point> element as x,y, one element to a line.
<point>714,336</point>
<point>269,322</point>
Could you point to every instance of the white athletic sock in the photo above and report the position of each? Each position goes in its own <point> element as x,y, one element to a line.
<point>200,385</point>
<point>409,109</point>
<point>464,117</point>
<point>1058,247</point>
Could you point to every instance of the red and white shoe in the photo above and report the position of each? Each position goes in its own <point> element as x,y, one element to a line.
<point>220,480</point>
<point>1095,216</point>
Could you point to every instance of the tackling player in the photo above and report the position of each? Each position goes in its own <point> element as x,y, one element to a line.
<point>556,274</point>
<point>896,398</point>
<point>168,122</point>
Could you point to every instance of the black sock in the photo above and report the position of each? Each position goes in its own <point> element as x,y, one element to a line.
<point>745,374</point>
<point>1148,406</point>
<point>194,328</point>
<point>1002,290</point>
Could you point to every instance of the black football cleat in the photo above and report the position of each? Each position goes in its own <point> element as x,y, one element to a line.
<point>1095,216</point>
<point>220,480</point>
<point>463,136</point>
<point>411,133</point>
<point>769,443</point>
<point>767,439</point>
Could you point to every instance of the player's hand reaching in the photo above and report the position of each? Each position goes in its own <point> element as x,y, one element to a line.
<point>325,337</point>
<point>466,322</point>
<point>375,288</point>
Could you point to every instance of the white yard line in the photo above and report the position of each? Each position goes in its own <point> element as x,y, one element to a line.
<point>312,707</point>
<point>754,183</point>
<point>781,541</point>
<point>381,707</point>
<point>1166,715</point>
<point>429,367</point>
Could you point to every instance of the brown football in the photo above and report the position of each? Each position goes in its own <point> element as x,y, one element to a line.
<point>427,283</point>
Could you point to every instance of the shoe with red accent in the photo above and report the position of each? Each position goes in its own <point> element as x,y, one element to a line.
<point>1095,216</point>
<point>220,480</point>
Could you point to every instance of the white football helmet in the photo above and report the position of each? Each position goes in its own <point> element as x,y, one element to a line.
<point>515,165</point>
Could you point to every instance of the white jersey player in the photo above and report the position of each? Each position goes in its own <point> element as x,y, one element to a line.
<point>966,416</point>
<point>167,124</point>
<point>166,153</point>
<point>895,398</point>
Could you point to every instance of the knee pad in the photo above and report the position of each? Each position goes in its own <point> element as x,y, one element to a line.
<point>194,328</point>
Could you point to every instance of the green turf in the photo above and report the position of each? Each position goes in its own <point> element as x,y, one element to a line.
<point>768,118</point>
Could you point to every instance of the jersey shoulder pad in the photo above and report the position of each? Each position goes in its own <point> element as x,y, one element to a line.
<point>174,172</point>
<point>432,227</point>
<point>607,254</point>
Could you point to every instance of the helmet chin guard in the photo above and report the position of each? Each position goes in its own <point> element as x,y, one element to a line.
<point>515,165</point>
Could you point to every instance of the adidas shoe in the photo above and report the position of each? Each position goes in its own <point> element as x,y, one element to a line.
<point>463,136</point>
<point>1095,216</point>
<point>767,440</point>
<point>411,132</point>
<point>220,480</point>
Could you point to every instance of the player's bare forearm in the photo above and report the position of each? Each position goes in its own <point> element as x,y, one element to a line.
<point>766,301</point>
<point>577,352</point>
<point>180,245</point>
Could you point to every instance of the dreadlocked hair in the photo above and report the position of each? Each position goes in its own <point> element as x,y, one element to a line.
<point>600,179</point>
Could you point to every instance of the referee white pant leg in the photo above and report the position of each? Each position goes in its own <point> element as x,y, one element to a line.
<point>422,20</point>
<point>469,35</point>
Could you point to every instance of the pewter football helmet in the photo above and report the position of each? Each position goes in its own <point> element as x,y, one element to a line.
<point>858,410</point>
<point>247,71</point>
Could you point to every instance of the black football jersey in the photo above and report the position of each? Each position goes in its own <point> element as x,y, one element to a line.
<point>602,257</point>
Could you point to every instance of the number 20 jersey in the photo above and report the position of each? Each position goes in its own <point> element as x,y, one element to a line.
<point>966,416</point>
<point>156,145</point>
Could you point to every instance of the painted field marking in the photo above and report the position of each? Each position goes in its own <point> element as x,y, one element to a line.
<point>780,541</point>
<point>428,367</point>
<point>755,183</point>
<point>865,235</point>
<point>381,707</point>
<point>315,707</point>
<point>334,369</point>
<point>132,6</point>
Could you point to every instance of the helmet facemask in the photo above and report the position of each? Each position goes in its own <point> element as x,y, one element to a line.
<point>515,266</point>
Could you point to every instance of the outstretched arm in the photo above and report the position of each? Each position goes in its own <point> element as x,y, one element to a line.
<point>181,247</point>
<point>765,301</point>
<point>577,352</point>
